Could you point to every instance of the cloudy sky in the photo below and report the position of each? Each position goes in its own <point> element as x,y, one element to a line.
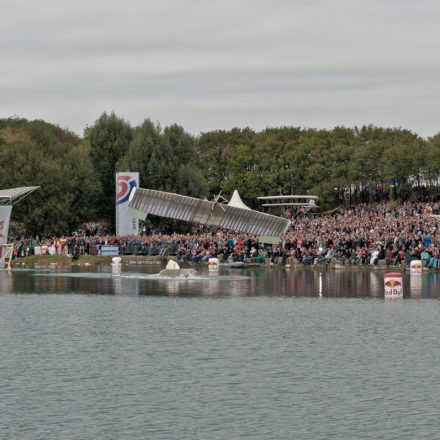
<point>220,64</point>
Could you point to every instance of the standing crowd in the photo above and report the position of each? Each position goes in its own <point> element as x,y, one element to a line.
<point>360,236</point>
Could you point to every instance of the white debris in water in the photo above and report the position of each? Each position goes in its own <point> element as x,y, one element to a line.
<point>144,277</point>
<point>172,265</point>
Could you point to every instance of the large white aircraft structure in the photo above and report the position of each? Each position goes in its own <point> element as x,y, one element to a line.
<point>235,215</point>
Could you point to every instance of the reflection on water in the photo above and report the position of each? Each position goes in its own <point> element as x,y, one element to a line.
<point>415,285</point>
<point>227,282</point>
<point>122,356</point>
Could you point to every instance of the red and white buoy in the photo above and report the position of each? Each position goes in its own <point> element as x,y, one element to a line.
<point>415,267</point>
<point>213,264</point>
<point>393,284</point>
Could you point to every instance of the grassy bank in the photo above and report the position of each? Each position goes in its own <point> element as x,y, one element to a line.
<point>61,260</point>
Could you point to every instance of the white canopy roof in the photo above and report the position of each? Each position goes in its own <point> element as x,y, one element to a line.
<point>236,201</point>
<point>13,195</point>
<point>292,196</point>
<point>301,201</point>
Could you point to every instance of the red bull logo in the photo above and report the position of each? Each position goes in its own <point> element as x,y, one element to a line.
<point>213,263</point>
<point>416,266</point>
<point>392,283</point>
<point>125,187</point>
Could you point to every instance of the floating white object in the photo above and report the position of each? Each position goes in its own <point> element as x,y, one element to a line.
<point>177,273</point>
<point>213,264</point>
<point>172,265</point>
<point>173,270</point>
<point>393,284</point>
<point>416,267</point>
<point>116,264</point>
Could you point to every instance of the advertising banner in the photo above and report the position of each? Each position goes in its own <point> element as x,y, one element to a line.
<point>109,250</point>
<point>125,224</point>
<point>5,215</point>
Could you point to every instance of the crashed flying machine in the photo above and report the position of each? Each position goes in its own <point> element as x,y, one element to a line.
<point>235,215</point>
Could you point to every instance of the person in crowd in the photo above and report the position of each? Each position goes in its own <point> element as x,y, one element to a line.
<point>365,234</point>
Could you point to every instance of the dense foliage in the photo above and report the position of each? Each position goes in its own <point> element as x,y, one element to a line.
<point>166,160</point>
<point>37,153</point>
<point>109,139</point>
<point>341,166</point>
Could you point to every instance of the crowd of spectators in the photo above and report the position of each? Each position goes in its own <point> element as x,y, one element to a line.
<point>363,235</point>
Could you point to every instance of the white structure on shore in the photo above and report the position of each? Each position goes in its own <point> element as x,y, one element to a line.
<point>8,198</point>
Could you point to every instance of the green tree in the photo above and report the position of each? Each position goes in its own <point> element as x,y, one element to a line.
<point>166,160</point>
<point>143,149</point>
<point>213,151</point>
<point>431,171</point>
<point>35,153</point>
<point>109,138</point>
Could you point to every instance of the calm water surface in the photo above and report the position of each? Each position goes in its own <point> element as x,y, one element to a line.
<point>250,354</point>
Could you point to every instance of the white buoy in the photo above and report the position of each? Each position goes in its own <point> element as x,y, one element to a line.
<point>393,284</point>
<point>415,267</point>
<point>116,264</point>
<point>213,264</point>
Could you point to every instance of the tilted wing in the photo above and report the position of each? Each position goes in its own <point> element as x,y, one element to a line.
<point>175,206</point>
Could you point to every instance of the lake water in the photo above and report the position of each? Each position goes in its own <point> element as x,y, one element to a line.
<point>252,354</point>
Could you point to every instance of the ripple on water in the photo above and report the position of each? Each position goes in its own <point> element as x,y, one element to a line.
<point>219,366</point>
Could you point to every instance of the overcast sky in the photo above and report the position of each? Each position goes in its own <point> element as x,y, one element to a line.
<point>221,64</point>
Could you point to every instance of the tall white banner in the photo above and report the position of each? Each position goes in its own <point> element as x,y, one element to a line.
<point>125,224</point>
<point>5,215</point>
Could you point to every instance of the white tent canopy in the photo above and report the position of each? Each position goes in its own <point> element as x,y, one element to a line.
<point>13,195</point>
<point>236,201</point>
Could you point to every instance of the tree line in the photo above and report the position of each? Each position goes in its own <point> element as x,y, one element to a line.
<point>342,166</point>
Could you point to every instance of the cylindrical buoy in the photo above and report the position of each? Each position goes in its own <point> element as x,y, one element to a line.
<point>213,264</point>
<point>393,284</point>
<point>415,267</point>
<point>116,263</point>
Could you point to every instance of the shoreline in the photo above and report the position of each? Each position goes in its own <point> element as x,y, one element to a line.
<point>134,260</point>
